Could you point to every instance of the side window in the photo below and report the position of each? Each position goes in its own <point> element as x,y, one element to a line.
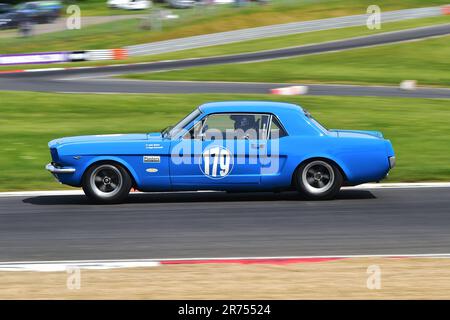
<point>217,126</point>
<point>194,133</point>
<point>232,126</point>
<point>276,130</point>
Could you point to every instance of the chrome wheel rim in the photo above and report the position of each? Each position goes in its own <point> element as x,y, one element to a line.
<point>106,181</point>
<point>318,177</point>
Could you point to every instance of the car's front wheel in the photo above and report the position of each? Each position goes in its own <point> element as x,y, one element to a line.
<point>107,183</point>
<point>318,180</point>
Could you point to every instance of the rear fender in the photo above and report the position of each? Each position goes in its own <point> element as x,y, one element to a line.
<point>327,157</point>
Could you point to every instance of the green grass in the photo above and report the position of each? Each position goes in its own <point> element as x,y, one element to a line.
<point>194,22</point>
<point>426,61</point>
<point>418,128</point>
<point>253,45</point>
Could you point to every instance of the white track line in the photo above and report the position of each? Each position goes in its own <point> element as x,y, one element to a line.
<point>75,193</point>
<point>401,185</point>
<point>64,266</point>
<point>61,266</point>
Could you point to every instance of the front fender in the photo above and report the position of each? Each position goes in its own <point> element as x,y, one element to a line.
<point>81,165</point>
<point>125,164</point>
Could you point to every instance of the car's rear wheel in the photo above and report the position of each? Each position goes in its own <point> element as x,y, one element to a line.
<point>318,180</point>
<point>107,183</point>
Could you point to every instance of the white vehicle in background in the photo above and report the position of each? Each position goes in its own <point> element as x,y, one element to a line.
<point>115,3</point>
<point>129,4</point>
<point>181,4</point>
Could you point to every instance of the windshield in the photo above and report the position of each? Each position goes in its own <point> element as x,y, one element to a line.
<point>183,123</point>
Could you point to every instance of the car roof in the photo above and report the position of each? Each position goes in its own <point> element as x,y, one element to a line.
<point>248,106</point>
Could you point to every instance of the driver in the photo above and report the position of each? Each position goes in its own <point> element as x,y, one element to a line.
<point>245,124</point>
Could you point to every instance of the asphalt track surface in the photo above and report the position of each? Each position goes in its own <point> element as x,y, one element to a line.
<point>199,224</point>
<point>180,87</point>
<point>95,80</point>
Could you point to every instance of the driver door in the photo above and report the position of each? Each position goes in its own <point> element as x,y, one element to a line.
<point>217,153</point>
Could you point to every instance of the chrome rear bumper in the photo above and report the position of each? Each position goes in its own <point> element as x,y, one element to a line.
<point>392,162</point>
<point>50,167</point>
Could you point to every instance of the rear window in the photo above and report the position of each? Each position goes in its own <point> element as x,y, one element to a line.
<point>313,120</point>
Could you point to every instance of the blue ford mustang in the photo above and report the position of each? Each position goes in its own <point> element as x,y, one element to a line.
<point>230,146</point>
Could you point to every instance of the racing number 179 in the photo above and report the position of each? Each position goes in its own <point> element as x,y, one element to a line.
<point>217,158</point>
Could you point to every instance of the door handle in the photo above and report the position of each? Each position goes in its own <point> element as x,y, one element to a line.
<point>257,146</point>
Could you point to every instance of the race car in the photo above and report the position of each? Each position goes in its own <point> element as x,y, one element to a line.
<point>39,11</point>
<point>232,146</point>
<point>8,18</point>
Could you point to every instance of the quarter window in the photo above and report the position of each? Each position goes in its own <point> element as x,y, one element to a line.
<point>276,130</point>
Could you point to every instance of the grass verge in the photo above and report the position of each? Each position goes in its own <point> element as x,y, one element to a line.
<point>416,278</point>
<point>425,61</point>
<point>418,128</point>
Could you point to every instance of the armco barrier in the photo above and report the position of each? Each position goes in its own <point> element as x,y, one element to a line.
<point>34,58</point>
<point>58,57</point>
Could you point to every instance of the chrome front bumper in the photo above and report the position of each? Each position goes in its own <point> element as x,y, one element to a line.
<point>50,167</point>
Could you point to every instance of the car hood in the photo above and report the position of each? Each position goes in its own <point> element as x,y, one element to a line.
<point>104,138</point>
<point>356,134</point>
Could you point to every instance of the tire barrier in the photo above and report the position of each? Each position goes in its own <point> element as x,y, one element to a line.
<point>293,90</point>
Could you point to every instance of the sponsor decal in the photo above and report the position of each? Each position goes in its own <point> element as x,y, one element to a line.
<point>153,146</point>
<point>152,159</point>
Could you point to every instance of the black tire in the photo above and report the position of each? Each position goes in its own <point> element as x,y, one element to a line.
<point>107,182</point>
<point>318,180</point>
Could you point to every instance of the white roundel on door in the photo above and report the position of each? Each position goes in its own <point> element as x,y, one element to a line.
<point>217,162</point>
